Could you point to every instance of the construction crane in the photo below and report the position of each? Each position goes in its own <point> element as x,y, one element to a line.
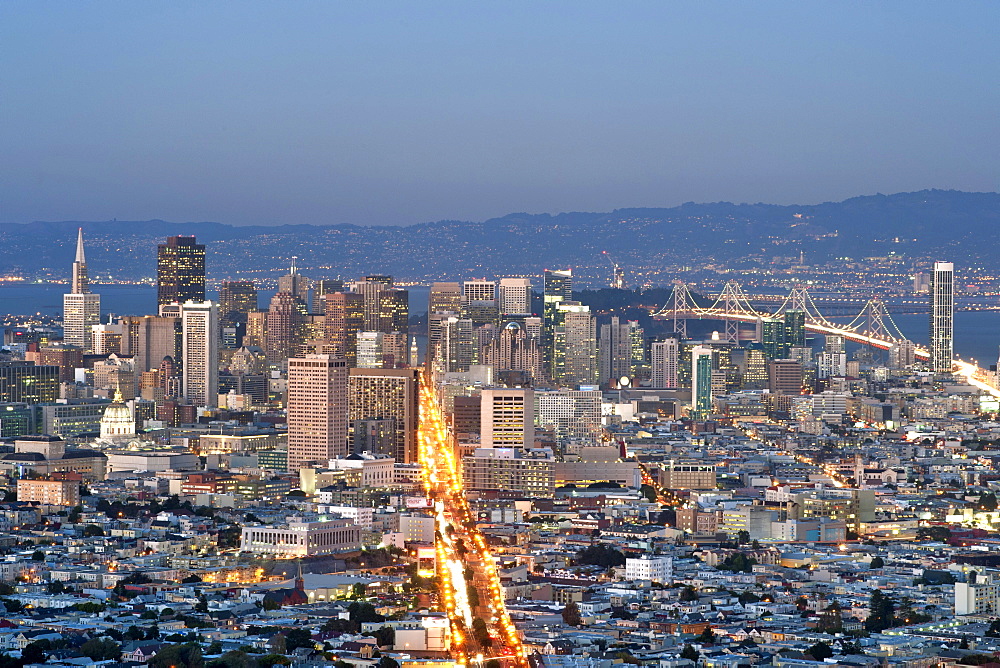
<point>618,275</point>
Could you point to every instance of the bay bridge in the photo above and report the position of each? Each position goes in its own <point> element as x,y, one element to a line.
<point>872,326</point>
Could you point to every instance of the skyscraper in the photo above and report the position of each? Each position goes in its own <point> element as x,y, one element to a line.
<point>321,289</point>
<point>701,382</point>
<point>615,351</point>
<point>345,317</point>
<point>394,310</point>
<point>387,394</point>
<point>515,296</point>
<point>294,283</point>
<point>942,317</point>
<point>507,417</point>
<point>236,299</point>
<point>557,288</point>
<point>317,410</point>
<point>575,346</point>
<point>371,288</point>
<point>180,271</point>
<point>479,302</point>
<point>665,358</point>
<point>200,350</point>
<point>81,307</point>
<point>286,319</point>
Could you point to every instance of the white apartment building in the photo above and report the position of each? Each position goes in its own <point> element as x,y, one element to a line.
<point>979,594</point>
<point>655,568</point>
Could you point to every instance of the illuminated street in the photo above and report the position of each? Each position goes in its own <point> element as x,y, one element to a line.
<point>464,562</point>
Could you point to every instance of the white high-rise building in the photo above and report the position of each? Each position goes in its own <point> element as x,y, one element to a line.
<point>81,307</point>
<point>507,418</point>
<point>665,357</point>
<point>574,416</point>
<point>515,296</point>
<point>317,408</point>
<point>200,352</point>
<point>942,317</point>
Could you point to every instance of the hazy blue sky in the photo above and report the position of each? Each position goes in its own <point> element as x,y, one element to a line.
<point>402,112</point>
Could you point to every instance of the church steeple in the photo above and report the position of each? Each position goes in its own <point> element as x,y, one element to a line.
<point>81,284</point>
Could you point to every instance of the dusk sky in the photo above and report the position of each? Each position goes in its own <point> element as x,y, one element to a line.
<point>404,112</point>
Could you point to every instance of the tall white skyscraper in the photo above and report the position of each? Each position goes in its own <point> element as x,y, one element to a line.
<point>81,307</point>
<point>317,410</point>
<point>942,317</point>
<point>515,296</point>
<point>665,359</point>
<point>200,353</point>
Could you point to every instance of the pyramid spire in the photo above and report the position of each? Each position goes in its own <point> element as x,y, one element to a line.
<point>79,247</point>
<point>81,284</point>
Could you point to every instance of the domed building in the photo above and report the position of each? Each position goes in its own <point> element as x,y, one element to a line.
<point>117,423</point>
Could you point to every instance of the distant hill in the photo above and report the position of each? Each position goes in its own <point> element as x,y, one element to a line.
<point>961,226</point>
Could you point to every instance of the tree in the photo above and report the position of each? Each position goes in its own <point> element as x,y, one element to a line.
<point>481,633</point>
<point>202,604</point>
<point>363,612</point>
<point>385,636</point>
<point>191,579</point>
<point>748,597</point>
<point>571,614</point>
<point>690,653</point>
<point>12,605</point>
<point>941,534</point>
<point>742,536</point>
<point>876,562</point>
<point>820,651</point>
<point>134,633</point>
<point>271,604</point>
<point>359,590</point>
<point>298,638</point>
<point>92,531</point>
<point>688,594</point>
<point>38,555</point>
<point>881,612</point>
<point>90,607</point>
<point>269,660</point>
<point>988,501</point>
<point>55,587</point>
<point>387,662</point>
<point>707,637</point>
<point>738,563</point>
<point>604,556</point>
<point>648,492</point>
<point>36,652</point>
<point>101,649</point>
<point>178,655</point>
